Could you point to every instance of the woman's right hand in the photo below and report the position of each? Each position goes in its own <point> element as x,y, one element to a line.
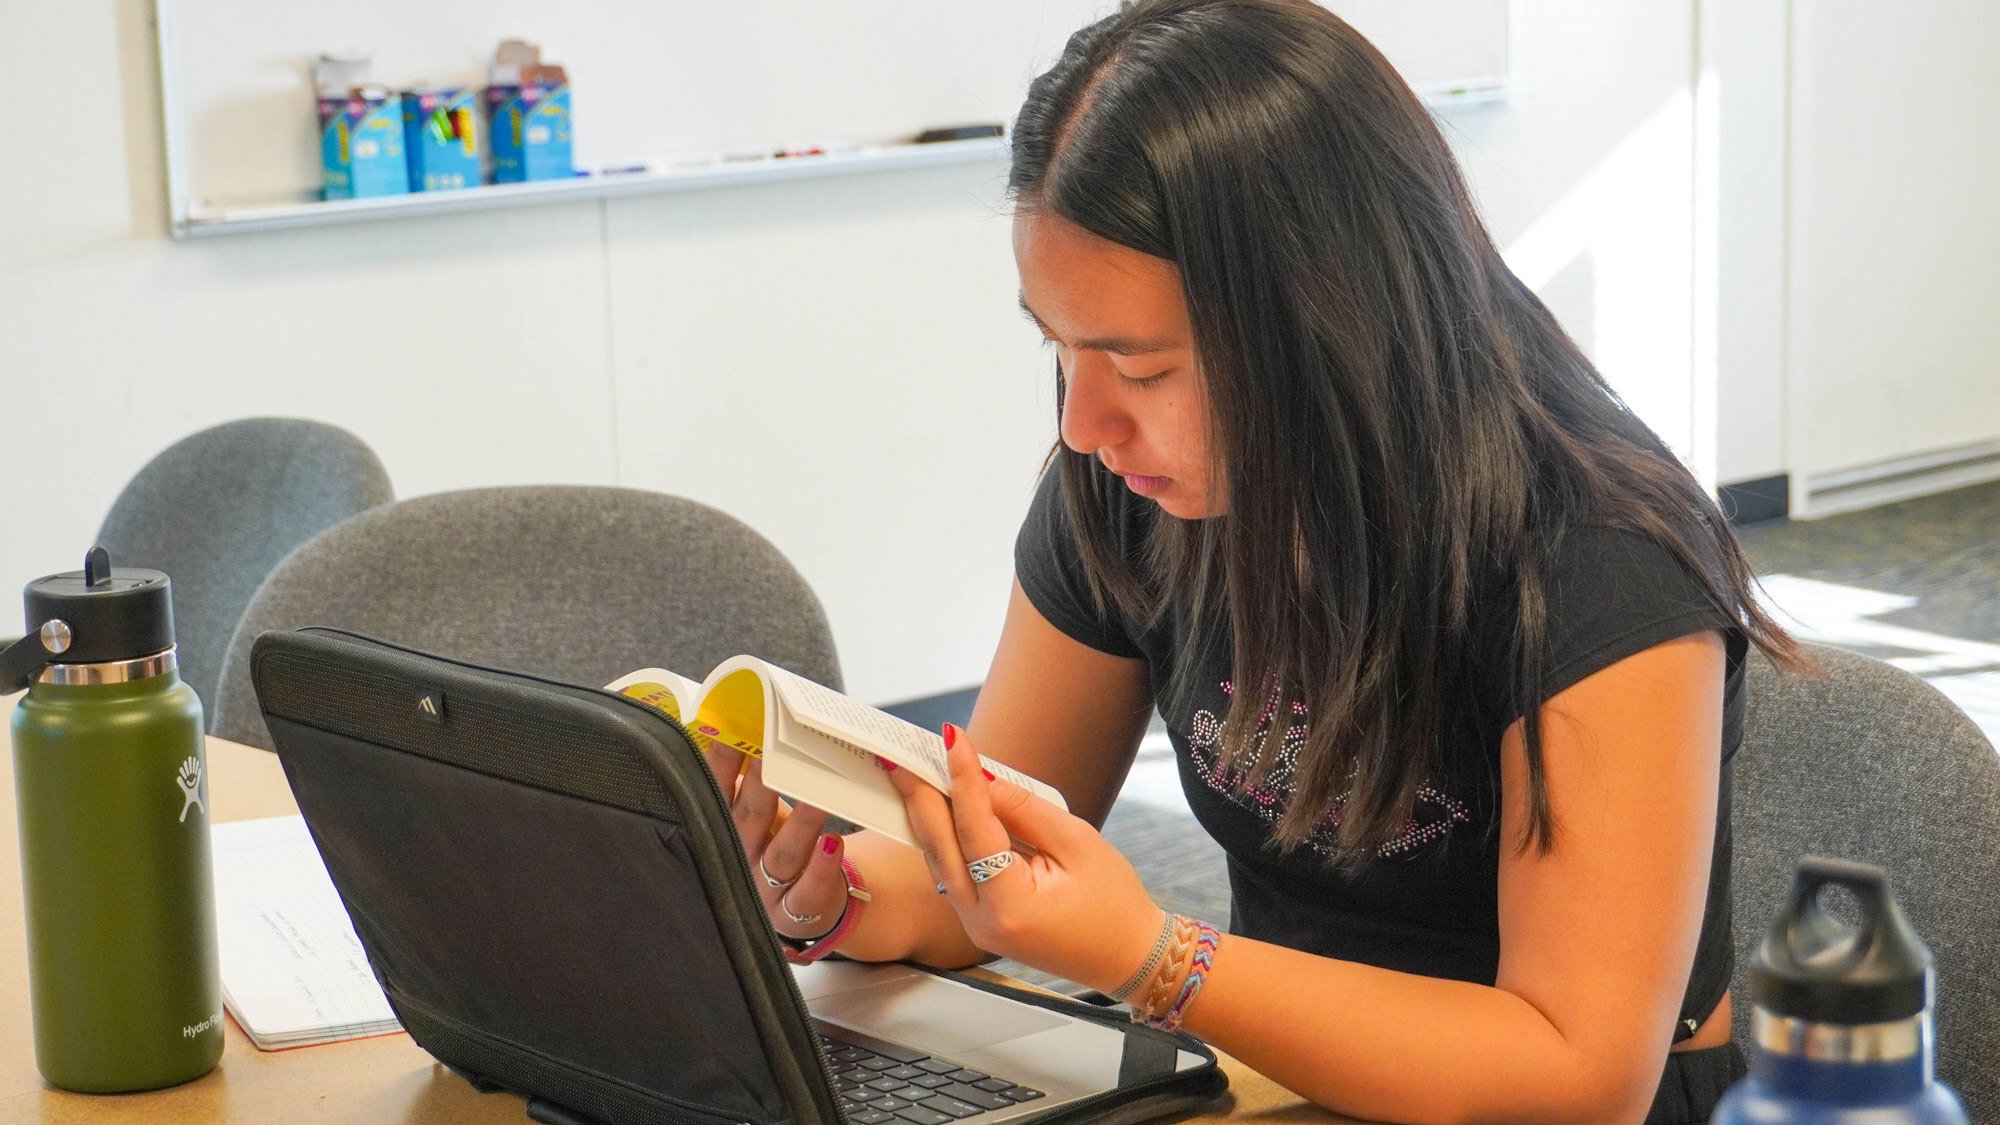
<point>785,845</point>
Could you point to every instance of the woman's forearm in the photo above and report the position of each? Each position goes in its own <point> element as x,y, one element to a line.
<point>907,919</point>
<point>1392,1046</point>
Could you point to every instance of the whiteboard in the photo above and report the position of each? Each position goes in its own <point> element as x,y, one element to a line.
<point>652,78</point>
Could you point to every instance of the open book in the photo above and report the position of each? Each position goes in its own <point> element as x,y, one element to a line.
<point>819,747</point>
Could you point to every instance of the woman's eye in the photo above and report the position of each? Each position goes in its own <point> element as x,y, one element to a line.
<point>1143,380</point>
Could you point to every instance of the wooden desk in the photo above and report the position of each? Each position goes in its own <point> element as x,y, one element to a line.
<point>385,1079</point>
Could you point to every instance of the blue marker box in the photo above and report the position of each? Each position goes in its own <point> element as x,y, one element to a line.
<point>528,101</point>
<point>361,144</point>
<point>441,133</point>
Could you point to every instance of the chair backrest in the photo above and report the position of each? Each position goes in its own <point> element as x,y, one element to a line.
<point>218,509</point>
<point>1870,763</point>
<point>579,583</point>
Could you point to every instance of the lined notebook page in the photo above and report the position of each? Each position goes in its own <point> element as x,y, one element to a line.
<point>293,972</point>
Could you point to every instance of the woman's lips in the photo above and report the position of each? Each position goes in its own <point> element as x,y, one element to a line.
<point>1145,485</point>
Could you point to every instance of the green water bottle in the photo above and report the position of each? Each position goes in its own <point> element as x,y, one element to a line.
<point>111,784</point>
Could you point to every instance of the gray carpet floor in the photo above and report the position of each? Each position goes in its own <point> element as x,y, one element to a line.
<point>1942,552</point>
<point>1916,583</point>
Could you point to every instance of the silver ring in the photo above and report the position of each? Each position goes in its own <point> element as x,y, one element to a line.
<point>988,867</point>
<point>800,919</point>
<point>770,882</point>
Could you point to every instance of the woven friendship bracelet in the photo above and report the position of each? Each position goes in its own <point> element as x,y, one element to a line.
<point>1145,972</point>
<point>1204,959</point>
<point>1163,989</point>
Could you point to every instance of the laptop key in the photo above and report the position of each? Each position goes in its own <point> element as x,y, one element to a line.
<point>936,1066</point>
<point>890,1105</point>
<point>887,1084</point>
<point>922,1115</point>
<point>952,1106</point>
<point>911,1093</point>
<point>966,1076</point>
<point>872,1117</point>
<point>877,1062</point>
<point>933,1081</point>
<point>994,1084</point>
<point>984,1099</point>
<point>1020,1093</point>
<point>864,1094</point>
<point>903,1072</point>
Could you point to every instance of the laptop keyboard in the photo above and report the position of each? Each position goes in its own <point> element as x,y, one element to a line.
<point>888,1085</point>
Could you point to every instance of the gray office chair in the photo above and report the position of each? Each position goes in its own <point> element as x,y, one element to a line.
<point>583,584</point>
<point>1870,763</point>
<point>218,509</point>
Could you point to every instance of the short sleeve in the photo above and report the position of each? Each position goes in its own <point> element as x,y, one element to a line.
<point>1049,566</point>
<point>1615,593</point>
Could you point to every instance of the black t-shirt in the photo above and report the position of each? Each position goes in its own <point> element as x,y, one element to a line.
<point>1429,904</point>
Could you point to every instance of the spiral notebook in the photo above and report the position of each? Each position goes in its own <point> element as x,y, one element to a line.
<point>293,972</point>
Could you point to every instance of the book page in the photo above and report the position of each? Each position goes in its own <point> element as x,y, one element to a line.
<point>866,728</point>
<point>839,777</point>
<point>293,971</point>
<point>661,690</point>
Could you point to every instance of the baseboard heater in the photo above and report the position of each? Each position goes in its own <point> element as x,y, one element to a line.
<point>1902,478</point>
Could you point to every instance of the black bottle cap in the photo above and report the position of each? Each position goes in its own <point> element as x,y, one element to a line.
<point>108,614</point>
<point>1815,967</point>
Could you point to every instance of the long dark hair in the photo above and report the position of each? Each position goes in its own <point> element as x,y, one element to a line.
<point>1405,431</point>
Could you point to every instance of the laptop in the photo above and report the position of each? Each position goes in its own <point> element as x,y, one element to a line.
<point>550,889</point>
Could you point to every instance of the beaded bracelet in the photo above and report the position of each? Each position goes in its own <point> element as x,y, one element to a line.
<point>1203,960</point>
<point>1145,972</point>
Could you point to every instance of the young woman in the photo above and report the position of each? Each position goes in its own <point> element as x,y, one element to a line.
<point>1449,645</point>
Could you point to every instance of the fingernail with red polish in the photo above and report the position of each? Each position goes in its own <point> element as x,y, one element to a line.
<point>988,773</point>
<point>886,764</point>
<point>828,843</point>
<point>950,734</point>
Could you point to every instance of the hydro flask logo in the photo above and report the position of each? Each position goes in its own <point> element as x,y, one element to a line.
<point>189,781</point>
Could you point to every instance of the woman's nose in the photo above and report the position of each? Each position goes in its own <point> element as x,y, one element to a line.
<point>1092,418</point>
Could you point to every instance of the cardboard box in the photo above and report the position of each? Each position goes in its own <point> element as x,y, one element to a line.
<point>441,133</point>
<point>360,130</point>
<point>529,106</point>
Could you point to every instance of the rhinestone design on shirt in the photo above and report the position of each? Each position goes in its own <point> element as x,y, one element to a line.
<point>1435,815</point>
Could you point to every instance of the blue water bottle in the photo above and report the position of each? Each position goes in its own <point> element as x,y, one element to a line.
<point>1841,1026</point>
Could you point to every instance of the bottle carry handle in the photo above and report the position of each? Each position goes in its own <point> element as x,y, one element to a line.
<point>1805,919</point>
<point>20,661</point>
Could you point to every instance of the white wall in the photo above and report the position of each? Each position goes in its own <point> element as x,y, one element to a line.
<point>839,362</point>
<point>1585,175</point>
<point>1741,167</point>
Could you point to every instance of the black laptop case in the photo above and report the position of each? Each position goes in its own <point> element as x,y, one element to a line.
<point>552,893</point>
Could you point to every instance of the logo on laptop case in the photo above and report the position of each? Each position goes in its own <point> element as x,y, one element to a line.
<point>431,706</point>
<point>189,781</point>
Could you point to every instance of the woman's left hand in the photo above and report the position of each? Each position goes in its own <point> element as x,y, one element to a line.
<point>1074,907</point>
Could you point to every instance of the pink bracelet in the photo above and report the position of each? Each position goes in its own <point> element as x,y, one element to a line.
<point>850,915</point>
<point>1205,946</point>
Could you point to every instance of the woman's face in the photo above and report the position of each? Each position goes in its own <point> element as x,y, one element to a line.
<point>1133,396</point>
